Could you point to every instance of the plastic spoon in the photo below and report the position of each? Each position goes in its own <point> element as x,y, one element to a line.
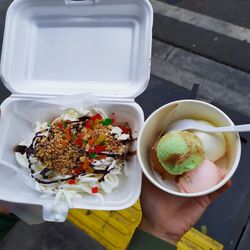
<point>189,124</point>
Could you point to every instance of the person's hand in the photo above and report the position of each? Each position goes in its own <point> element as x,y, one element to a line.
<point>169,217</point>
<point>3,210</point>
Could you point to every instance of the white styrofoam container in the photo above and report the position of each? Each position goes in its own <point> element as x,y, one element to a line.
<point>60,47</point>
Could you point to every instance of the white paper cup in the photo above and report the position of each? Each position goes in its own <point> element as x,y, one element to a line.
<point>187,109</point>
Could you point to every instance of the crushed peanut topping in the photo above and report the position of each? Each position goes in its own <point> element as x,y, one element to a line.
<point>70,147</point>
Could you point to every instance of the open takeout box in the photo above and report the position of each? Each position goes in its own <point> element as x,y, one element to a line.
<point>60,47</point>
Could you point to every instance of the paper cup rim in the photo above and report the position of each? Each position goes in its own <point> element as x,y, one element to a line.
<point>176,193</point>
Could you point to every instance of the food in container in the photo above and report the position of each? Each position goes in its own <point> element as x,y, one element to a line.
<point>62,48</point>
<point>221,150</point>
<point>78,151</point>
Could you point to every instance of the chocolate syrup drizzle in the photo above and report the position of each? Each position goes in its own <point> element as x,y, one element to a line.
<point>30,151</point>
<point>104,172</point>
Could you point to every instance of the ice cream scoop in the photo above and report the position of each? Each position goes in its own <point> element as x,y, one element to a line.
<point>156,165</point>
<point>214,143</point>
<point>202,178</point>
<point>179,152</point>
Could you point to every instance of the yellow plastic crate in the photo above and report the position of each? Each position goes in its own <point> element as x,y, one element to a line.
<point>112,229</point>
<point>196,240</point>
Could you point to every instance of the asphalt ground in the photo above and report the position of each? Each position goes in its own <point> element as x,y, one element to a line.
<point>232,11</point>
<point>218,30</point>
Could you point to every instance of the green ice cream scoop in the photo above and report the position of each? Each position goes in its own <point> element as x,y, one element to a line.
<point>180,151</point>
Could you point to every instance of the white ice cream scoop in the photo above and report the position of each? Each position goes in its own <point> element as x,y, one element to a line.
<point>191,124</point>
<point>214,143</point>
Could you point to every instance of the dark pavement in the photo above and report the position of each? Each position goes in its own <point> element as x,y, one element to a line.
<point>232,11</point>
<point>206,41</point>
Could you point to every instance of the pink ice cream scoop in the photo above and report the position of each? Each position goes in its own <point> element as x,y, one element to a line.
<point>200,179</point>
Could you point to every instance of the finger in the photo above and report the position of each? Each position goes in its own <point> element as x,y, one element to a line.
<point>4,210</point>
<point>217,193</point>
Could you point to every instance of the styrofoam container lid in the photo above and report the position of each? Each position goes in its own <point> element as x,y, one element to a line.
<point>66,47</point>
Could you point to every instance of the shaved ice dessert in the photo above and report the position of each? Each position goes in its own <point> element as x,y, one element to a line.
<point>78,152</point>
